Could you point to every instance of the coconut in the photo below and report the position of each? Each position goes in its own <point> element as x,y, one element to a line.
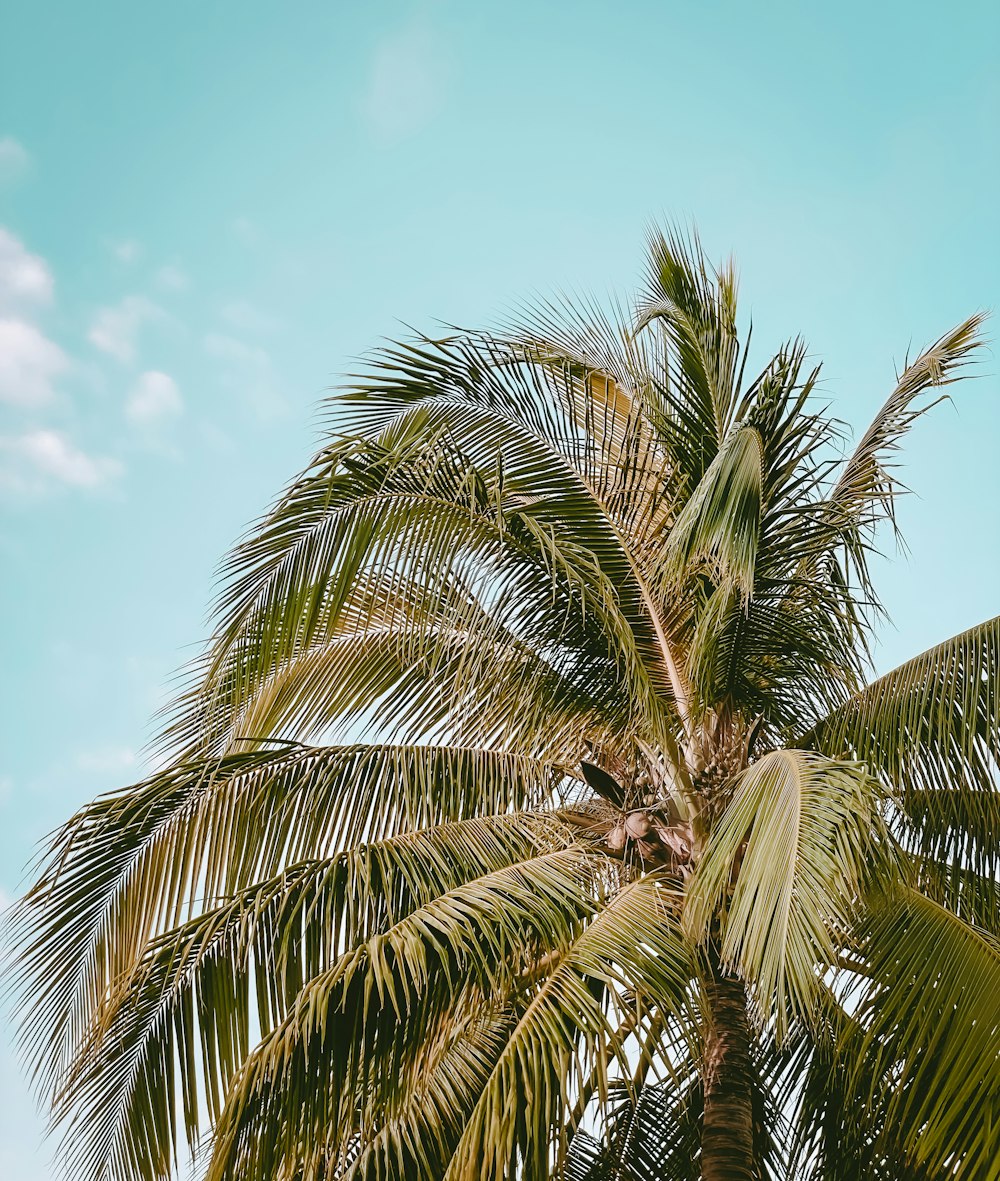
<point>637,825</point>
<point>616,838</point>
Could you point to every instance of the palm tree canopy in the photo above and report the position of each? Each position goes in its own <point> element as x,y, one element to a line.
<point>533,810</point>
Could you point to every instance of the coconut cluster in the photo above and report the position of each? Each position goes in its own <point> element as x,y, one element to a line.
<point>650,836</point>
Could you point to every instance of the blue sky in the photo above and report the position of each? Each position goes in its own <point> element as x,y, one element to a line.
<point>208,211</point>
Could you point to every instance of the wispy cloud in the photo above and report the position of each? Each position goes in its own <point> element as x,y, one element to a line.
<point>171,278</point>
<point>38,459</point>
<point>153,399</point>
<point>404,82</point>
<point>247,371</point>
<point>14,159</point>
<point>29,363</point>
<point>25,278</point>
<point>115,330</point>
<point>126,251</point>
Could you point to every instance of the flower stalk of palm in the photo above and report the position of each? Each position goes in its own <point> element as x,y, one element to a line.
<point>536,760</point>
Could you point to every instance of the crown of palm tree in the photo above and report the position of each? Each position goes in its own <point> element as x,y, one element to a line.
<point>534,780</point>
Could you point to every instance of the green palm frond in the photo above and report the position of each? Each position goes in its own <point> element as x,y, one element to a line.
<point>931,729</point>
<point>462,548</point>
<point>366,1018</point>
<point>634,949</point>
<point>198,990</point>
<point>138,862</point>
<point>927,1038</point>
<point>461,687</point>
<point>973,897</point>
<point>695,306</point>
<point>649,1136</point>
<point>839,1133</point>
<point>418,1136</point>
<point>799,839</point>
<point>865,487</point>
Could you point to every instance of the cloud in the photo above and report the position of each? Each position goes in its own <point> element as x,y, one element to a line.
<point>248,372</point>
<point>153,398</point>
<point>43,457</point>
<point>404,83</point>
<point>14,159</point>
<point>172,278</point>
<point>115,330</point>
<point>127,251</point>
<point>29,362</point>
<point>25,278</point>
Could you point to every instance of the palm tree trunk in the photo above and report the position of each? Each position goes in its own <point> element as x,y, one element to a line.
<point>727,1132</point>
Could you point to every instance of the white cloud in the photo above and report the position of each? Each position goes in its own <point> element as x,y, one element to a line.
<point>115,330</point>
<point>153,398</point>
<point>29,362</point>
<point>43,457</point>
<point>126,251</point>
<point>172,278</point>
<point>248,372</point>
<point>14,159</point>
<point>24,277</point>
<point>404,83</point>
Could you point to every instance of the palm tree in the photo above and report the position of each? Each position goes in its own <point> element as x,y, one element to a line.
<point>533,781</point>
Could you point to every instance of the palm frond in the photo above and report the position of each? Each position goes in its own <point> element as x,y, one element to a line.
<point>140,861</point>
<point>360,1026</point>
<point>931,730</point>
<point>865,487</point>
<point>417,1137</point>
<point>198,991</point>
<point>633,944</point>
<point>695,306</point>
<point>837,1133</point>
<point>929,1035</point>
<point>463,548</point>
<point>798,839</point>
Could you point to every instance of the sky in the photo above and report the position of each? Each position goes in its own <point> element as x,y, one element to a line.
<point>208,212</point>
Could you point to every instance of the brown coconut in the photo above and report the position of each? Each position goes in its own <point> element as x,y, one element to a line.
<point>616,838</point>
<point>637,825</point>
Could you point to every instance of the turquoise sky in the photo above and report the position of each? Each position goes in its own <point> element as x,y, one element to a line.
<point>208,209</point>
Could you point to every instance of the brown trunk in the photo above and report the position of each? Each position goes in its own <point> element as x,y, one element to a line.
<point>727,1132</point>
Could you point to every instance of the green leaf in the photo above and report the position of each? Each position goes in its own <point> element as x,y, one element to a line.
<point>785,863</point>
<point>931,1034</point>
<point>140,861</point>
<point>931,730</point>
